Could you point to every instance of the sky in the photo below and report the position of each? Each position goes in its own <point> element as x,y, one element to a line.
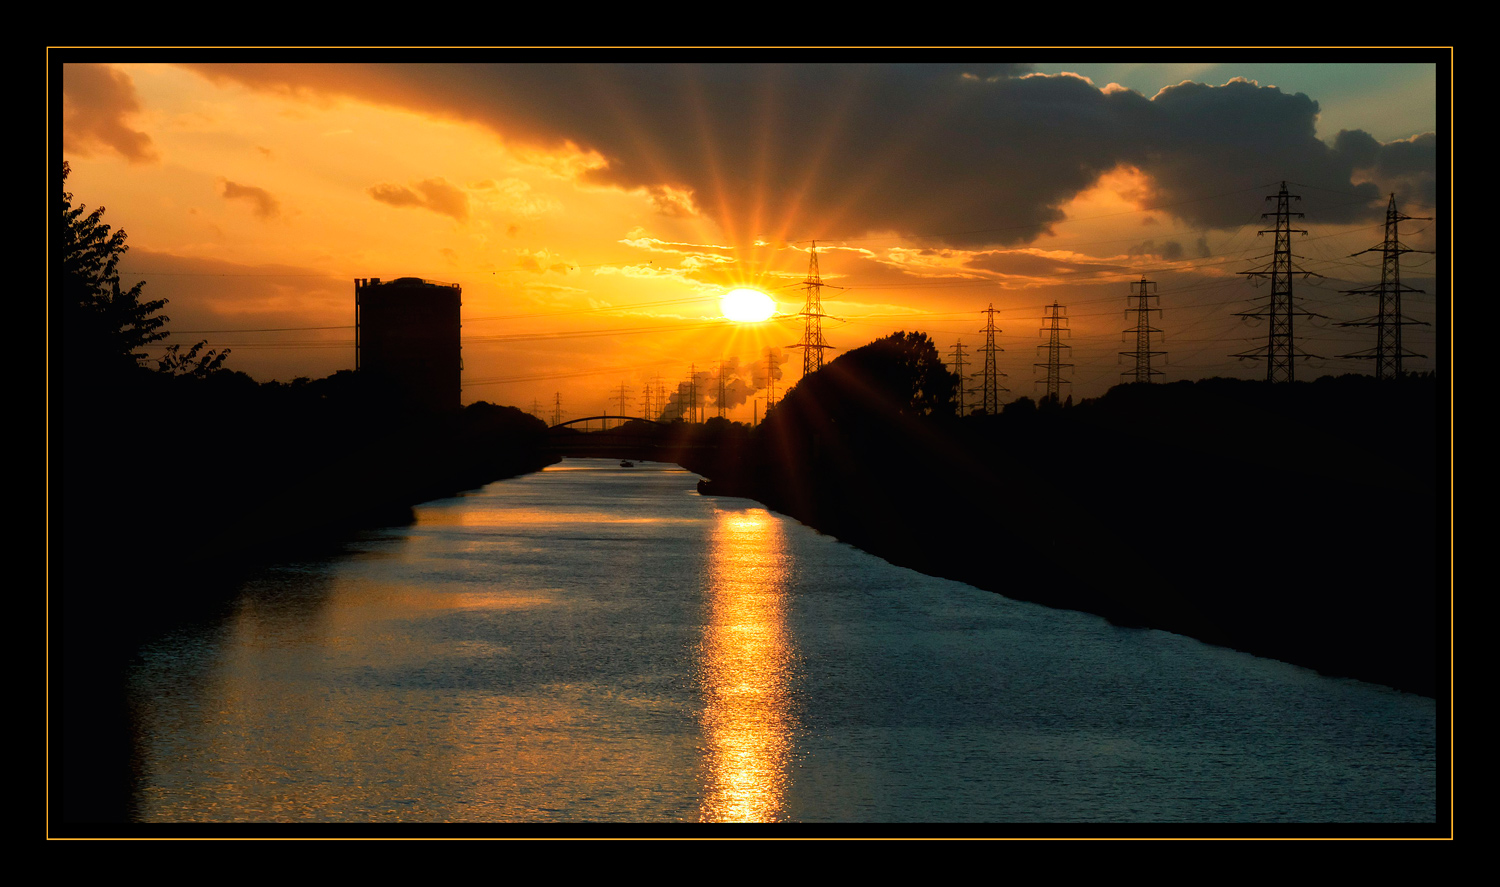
<point>593,207</point>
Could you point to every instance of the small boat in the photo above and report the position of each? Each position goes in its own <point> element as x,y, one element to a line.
<point>626,463</point>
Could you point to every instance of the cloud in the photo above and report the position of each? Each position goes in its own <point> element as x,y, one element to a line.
<point>266,206</point>
<point>1169,250</point>
<point>1405,167</point>
<point>675,202</point>
<point>1033,265</point>
<point>540,262</point>
<point>514,195</point>
<point>434,194</point>
<point>968,155</point>
<point>1201,146</point>
<point>96,102</point>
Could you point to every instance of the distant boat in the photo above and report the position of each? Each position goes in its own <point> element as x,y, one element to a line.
<point>626,463</point>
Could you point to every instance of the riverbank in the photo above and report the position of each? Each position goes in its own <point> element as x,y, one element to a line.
<point>1300,523</point>
<point>164,492</point>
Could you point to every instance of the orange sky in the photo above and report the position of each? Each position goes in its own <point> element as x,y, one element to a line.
<point>593,214</point>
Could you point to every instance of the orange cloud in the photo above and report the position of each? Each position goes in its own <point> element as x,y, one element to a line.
<point>434,194</point>
<point>266,206</point>
<point>96,102</point>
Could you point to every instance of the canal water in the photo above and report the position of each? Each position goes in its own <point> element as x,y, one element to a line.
<point>599,644</point>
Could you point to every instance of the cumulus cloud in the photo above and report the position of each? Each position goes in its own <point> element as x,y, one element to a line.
<point>1405,167</point>
<point>434,194</point>
<point>97,101</point>
<point>971,155</point>
<point>266,206</point>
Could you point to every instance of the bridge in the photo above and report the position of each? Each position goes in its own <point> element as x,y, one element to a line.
<point>603,422</point>
<point>630,438</point>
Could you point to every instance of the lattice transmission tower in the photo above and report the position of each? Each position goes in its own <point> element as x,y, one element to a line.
<point>1055,326</point>
<point>770,379</point>
<point>621,398</point>
<point>720,386</point>
<point>557,410</point>
<point>1280,351</point>
<point>645,402</point>
<point>958,369</point>
<point>1388,319</point>
<point>812,315</point>
<point>1143,330</point>
<point>990,387</point>
<point>693,393</point>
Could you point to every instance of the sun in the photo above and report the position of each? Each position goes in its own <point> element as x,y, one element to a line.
<point>746,305</point>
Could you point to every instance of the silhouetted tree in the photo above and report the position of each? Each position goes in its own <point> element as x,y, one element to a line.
<point>104,327</point>
<point>901,374</point>
<point>177,363</point>
<point>1020,406</point>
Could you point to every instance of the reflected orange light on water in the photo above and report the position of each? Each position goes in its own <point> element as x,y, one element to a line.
<point>746,670</point>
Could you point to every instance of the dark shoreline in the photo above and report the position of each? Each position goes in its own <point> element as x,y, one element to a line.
<point>1342,574</point>
<point>135,554</point>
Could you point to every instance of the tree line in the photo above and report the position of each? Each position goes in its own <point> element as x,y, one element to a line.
<point>1301,521</point>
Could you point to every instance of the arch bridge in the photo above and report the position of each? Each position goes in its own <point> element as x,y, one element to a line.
<point>604,422</point>
<point>628,438</point>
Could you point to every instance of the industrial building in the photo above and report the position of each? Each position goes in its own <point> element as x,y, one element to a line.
<point>406,334</point>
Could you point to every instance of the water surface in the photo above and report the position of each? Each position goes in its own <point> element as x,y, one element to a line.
<point>598,644</point>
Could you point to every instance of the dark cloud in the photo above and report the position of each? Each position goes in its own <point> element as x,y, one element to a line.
<point>1170,250</point>
<point>1406,168</point>
<point>434,194</point>
<point>266,206</point>
<point>1197,142</point>
<point>96,102</point>
<point>974,154</point>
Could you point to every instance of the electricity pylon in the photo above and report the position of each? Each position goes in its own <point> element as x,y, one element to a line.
<point>720,403</point>
<point>1280,351</point>
<point>621,398</point>
<point>1054,348</point>
<point>646,402</point>
<point>812,315</point>
<point>557,410</point>
<point>1143,330</point>
<point>693,392</point>
<point>1388,320</point>
<point>958,369</point>
<point>770,380</point>
<point>990,388</point>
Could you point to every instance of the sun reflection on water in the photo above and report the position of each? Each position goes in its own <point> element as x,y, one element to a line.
<point>746,670</point>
